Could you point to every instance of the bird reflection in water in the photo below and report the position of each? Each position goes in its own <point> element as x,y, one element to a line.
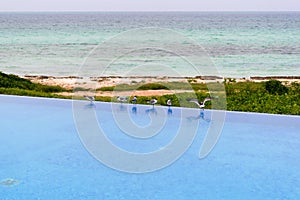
<point>90,106</point>
<point>134,109</point>
<point>122,107</point>
<point>151,111</point>
<point>201,116</point>
<point>170,112</point>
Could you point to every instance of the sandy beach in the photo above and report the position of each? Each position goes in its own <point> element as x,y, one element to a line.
<point>71,82</point>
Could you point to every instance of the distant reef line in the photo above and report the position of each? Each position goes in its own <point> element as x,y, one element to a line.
<point>166,77</point>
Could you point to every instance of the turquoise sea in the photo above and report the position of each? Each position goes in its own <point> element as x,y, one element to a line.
<point>239,44</point>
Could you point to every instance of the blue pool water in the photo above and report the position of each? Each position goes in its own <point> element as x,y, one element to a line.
<point>256,157</point>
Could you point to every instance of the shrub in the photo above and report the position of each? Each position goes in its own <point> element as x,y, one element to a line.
<point>13,81</point>
<point>275,87</point>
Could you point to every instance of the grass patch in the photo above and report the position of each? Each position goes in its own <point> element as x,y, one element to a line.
<point>13,81</point>
<point>25,92</point>
<point>156,86</point>
<point>14,85</point>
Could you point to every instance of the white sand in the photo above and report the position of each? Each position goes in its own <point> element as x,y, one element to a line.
<point>98,82</point>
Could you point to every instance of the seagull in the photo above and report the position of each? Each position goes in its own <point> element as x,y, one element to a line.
<point>152,102</point>
<point>169,102</point>
<point>90,98</point>
<point>200,104</point>
<point>122,99</point>
<point>134,100</point>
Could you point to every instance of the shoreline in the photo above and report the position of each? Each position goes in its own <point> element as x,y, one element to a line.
<point>69,82</point>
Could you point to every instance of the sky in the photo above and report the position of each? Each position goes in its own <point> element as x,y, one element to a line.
<point>149,5</point>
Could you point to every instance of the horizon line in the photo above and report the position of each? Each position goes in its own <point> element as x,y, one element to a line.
<point>148,11</point>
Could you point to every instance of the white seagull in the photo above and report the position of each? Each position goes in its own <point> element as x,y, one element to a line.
<point>122,99</point>
<point>90,98</point>
<point>169,102</point>
<point>134,100</point>
<point>200,104</point>
<point>152,102</point>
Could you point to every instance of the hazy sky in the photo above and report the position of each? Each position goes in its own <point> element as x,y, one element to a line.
<point>150,5</point>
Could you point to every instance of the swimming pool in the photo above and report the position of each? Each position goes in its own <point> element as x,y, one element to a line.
<point>42,157</point>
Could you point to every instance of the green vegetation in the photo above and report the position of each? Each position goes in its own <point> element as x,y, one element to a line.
<point>14,85</point>
<point>275,87</point>
<point>156,86</point>
<point>265,97</point>
<point>23,92</point>
<point>127,87</point>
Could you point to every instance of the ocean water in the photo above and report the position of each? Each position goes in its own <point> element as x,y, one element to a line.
<point>239,44</point>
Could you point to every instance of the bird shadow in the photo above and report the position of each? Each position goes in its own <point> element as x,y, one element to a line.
<point>170,111</point>
<point>151,111</point>
<point>134,110</point>
<point>122,107</point>
<point>90,105</point>
<point>201,116</point>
